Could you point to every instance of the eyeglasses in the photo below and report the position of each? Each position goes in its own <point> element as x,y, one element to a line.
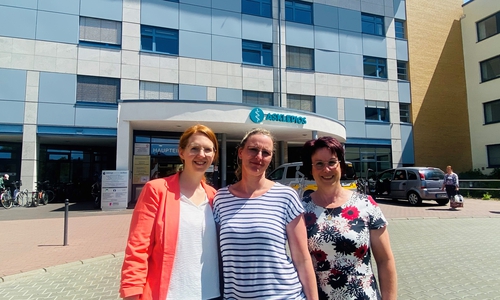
<point>255,151</point>
<point>320,165</point>
<point>197,149</point>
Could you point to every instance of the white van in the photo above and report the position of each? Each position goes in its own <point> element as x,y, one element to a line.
<point>292,174</point>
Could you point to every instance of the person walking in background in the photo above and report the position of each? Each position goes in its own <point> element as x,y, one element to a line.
<point>172,250</point>
<point>343,228</point>
<point>450,183</point>
<point>255,217</point>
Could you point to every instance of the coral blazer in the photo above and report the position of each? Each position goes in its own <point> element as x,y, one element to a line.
<point>152,241</point>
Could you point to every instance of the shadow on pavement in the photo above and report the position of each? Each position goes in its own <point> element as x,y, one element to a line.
<point>79,206</point>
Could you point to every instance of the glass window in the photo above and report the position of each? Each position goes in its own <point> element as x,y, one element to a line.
<point>377,111</point>
<point>257,53</point>
<point>402,70</point>
<point>404,112</point>
<point>158,91</point>
<point>257,98</point>
<point>261,8</point>
<point>492,112</point>
<point>375,67</point>
<point>493,155</point>
<point>161,40</point>
<point>98,31</point>
<point>488,27</point>
<point>399,26</point>
<point>299,58</point>
<point>372,24</point>
<point>97,89</point>
<point>298,11</point>
<point>300,102</point>
<point>490,69</point>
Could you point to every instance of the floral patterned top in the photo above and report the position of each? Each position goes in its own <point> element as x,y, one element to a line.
<point>339,244</point>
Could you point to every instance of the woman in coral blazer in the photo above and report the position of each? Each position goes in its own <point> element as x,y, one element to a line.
<point>172,247</point>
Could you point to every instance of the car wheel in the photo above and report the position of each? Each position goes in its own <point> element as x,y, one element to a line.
<point>442,202</point>
<point>414,198</point>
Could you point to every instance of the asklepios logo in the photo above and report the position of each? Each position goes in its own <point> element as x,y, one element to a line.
<point>257,115</point>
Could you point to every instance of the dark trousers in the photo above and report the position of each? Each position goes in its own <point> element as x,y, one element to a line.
<point>451,191</point>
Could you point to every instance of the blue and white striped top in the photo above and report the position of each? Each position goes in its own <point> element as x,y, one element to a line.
<point>252,240</point>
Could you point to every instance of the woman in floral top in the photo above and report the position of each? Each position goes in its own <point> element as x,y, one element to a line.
<point>343,228</point>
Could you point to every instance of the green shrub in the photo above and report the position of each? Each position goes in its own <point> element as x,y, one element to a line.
<point>486,196</point>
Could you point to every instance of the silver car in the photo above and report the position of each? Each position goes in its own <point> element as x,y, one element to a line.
<point>412,183</point>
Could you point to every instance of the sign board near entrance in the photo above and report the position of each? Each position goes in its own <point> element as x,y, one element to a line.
<point>114,189</point>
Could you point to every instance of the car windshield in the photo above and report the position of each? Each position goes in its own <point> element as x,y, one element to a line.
<point>434,174</point>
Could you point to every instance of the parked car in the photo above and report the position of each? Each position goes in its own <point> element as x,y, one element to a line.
<point>292,174</point>
<point>412,183</point>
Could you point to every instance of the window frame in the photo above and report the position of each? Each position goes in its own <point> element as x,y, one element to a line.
<point>381,108</point>
<point>261,3</point>
<point>292,7</point>
<point>406,117</point>
<point>402,75</point>
<point>400,29</point>
<point>259,95</point>
<point>488,154</point>
<point>377,64</point>
<point>98,100</point>
<point>301,53</point>
<point>481,68</point>
<point>260,47</point>
<point>494,114</point>
<point>495,16</point>
<point>170,34</point>
<point>89,42</point>
<point>301,98</point>
<point>375,21</point>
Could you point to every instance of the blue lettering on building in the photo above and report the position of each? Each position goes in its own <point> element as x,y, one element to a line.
<point>164,149</point>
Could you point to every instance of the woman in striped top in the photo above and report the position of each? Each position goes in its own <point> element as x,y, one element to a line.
<point>255,217</point>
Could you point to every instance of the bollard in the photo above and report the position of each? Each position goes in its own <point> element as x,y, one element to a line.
<point>66,209</point>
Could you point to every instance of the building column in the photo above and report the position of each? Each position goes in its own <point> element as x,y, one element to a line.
<point>30,147</point>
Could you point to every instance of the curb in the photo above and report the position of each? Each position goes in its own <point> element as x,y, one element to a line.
<point>50,269</point>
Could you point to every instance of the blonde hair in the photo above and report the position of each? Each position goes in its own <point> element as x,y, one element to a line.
<point>243,142</point>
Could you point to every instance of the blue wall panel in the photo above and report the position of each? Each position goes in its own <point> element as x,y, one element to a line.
<point>351,64</point>
<point>12,112</point>
<point>226,49</point>
<point>57,88</point>
<point>229,95</point>
<point>206,3</point>
<point>195,45</point>
<point>17,22</point>
<point>12,84</point>
<point>20,3</point>
<point>102,9</point>
<point>326,38</point>
<point>256,28</point>
<point>192,92</point>
<point>355,129</point>
<point>354,110</point>
<point>349,20</point>
<point>96,117</point>
<point>58,114</point>
<point>160,13</point>
<point>300,35</point>
<point>327,106</point>
<point>408,156</point>
<point>57,27</point>
<point>326,61</point>
<point>404,92</point>
<point>226,23</point>
<point>350,42</point>
<point>195,18</point>
<point>402,49</point>
<point>378,131</point>
<point>66,6</point>
<point>325,15</point>
<point>227,5</point>
<point>374,46</point>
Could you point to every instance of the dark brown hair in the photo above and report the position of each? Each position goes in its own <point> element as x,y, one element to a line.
<point>311,146</point>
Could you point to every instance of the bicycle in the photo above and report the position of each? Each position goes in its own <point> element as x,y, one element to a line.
<point>51,195</point>
<point>6,198</point>
<point>39,196</point>
<point>21,197</point>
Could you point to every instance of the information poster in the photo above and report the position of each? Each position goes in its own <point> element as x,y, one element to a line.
<point>141,169</point>
<point>114,189</point>
<point>141,149</point>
